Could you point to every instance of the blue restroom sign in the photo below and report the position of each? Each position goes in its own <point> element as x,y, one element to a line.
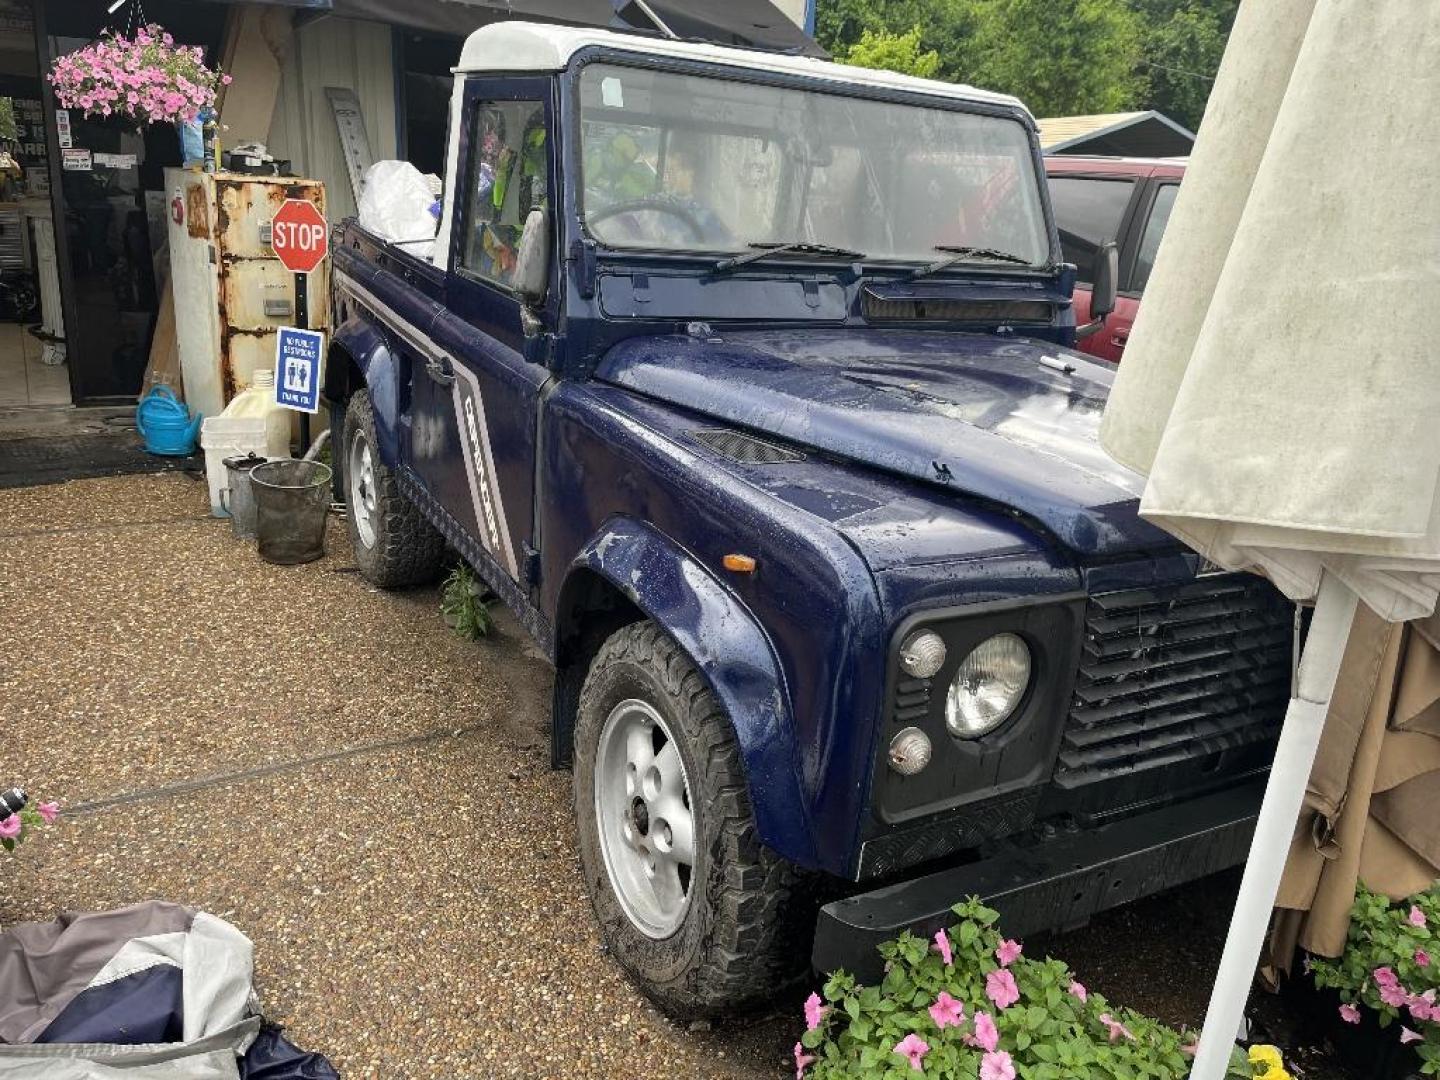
<point>299,355</point>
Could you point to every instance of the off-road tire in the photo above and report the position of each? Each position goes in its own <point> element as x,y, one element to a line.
<point>745,935</point>
<point>408,550</point>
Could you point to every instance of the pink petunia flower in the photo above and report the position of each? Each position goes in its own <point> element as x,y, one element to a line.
<point>1394,995</point>
<point>49,811</point>
<point>10,827</point>
<point>1408,1036</point>
<point>1078,989</point>
<point>987,1035</point>
<point>814,1012</point>
<point>1416,916</point>
<point>801,1060</point>
<point>1008,952</point>
<point>1000,988</point>
<point>1384,976</point>
<point>1422,958</point>
<point>997,1066</point>
<point>914,1048</point>
<point>942,943</point>
<point>1423,1007</point>
<point>947,1012</point>
<point>1116,1028</point>
<point>1350,1014</point>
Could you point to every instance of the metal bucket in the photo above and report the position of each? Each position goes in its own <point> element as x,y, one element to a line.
<point>292,499</point>
<point>237,497</point>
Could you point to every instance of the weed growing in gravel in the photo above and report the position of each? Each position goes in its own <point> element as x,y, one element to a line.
<point>465,604</point>
<point>1391,964</point>
<point>970,1004</point>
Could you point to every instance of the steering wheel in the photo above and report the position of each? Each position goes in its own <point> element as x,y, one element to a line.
<point>651,202</point>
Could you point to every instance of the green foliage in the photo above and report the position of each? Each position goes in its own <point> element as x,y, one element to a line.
<point>465,604</point>
<point>9,132</point>
<point>1050,1033</point>
<point>1061,59</point>
<point>893,52</point>
<point>1182,47</point>
<point>1385,947</point>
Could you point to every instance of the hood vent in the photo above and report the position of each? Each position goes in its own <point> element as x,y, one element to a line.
<point>745,449</point>
<point>976,311</point>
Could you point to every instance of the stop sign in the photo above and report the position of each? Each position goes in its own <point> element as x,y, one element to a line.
<point>299,236</point>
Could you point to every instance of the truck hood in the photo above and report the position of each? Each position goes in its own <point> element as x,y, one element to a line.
<point>999,419</point>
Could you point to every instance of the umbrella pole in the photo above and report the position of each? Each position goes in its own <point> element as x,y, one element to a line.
<point>1284,794</point>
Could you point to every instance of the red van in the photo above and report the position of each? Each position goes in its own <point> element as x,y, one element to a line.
<point>1127,200</point>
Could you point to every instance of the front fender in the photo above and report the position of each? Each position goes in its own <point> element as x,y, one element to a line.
<point>361,341</point>
<point>733,654</point>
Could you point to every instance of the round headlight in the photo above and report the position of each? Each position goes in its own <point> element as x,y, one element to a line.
<point>922,654</point>
<point>909,751</point>
<point>988,685</point>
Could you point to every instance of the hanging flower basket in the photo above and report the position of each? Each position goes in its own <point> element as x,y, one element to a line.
<point>147,77</point>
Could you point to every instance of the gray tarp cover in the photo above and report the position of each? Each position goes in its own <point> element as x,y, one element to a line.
<point>46,967</point>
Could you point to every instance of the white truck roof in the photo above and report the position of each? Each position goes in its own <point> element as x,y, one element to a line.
<point>522,46</point>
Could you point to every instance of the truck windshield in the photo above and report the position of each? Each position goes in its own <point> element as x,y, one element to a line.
<point>682,162</point>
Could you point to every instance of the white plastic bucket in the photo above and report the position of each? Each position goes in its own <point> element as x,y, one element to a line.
<point>222,437</point>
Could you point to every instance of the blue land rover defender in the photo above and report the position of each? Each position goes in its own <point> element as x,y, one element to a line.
<point>743,379</point>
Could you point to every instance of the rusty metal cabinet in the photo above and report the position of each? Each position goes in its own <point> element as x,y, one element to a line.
<point>231,293</point>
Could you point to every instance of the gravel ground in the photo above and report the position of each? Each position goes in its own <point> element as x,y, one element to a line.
<point>367,797</point>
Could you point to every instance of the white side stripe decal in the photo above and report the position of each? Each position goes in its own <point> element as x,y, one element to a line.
<point>479,459</point>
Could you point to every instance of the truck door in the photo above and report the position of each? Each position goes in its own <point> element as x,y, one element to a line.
<point>475,400</point>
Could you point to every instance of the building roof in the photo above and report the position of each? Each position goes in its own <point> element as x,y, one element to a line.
<point>1128,134</point>
<point>753,23</point>
<point>522,46</point>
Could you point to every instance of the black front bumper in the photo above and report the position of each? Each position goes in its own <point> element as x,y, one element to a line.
<point>1050,886</point>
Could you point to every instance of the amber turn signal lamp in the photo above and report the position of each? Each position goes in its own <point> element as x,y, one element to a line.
<point>740,564</point>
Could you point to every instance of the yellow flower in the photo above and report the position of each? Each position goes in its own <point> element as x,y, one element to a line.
<point>1270,1065</point>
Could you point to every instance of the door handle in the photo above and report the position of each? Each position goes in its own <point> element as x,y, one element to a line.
<point>440,371</point>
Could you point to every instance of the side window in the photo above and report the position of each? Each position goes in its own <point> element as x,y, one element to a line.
<point>1154,231</point>
<point>509,156</point>
<point>1088,212</point>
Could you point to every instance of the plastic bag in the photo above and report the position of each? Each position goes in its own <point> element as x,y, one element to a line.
<point>395,203</point>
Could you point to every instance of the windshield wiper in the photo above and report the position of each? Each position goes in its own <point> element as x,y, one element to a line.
<point>955,255</point>
<point>764,249</point>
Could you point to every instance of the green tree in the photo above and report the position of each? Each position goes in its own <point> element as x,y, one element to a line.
<point>1181,51</point>
<point>1075,56</point>
<point>894,52</point>
<point>1060,59</point>
<point>945,28</point>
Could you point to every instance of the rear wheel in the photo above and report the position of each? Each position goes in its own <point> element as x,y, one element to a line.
<point>394,545</point>
<point>701,915</point>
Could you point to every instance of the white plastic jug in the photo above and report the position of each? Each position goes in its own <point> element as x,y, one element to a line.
<point>257,401</point>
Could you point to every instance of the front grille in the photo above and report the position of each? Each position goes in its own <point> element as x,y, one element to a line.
<point>1177,674</point>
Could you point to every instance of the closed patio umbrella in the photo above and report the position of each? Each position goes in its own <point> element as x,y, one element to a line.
<point>1370,806</point>
<point>1281,390</point>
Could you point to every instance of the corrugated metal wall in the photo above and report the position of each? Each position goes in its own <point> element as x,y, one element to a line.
<point>334,52</point>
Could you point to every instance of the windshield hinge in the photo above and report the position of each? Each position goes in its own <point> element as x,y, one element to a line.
<point>582,254</point>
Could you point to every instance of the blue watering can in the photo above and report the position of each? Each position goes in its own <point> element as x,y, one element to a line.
<point>165,424</point>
